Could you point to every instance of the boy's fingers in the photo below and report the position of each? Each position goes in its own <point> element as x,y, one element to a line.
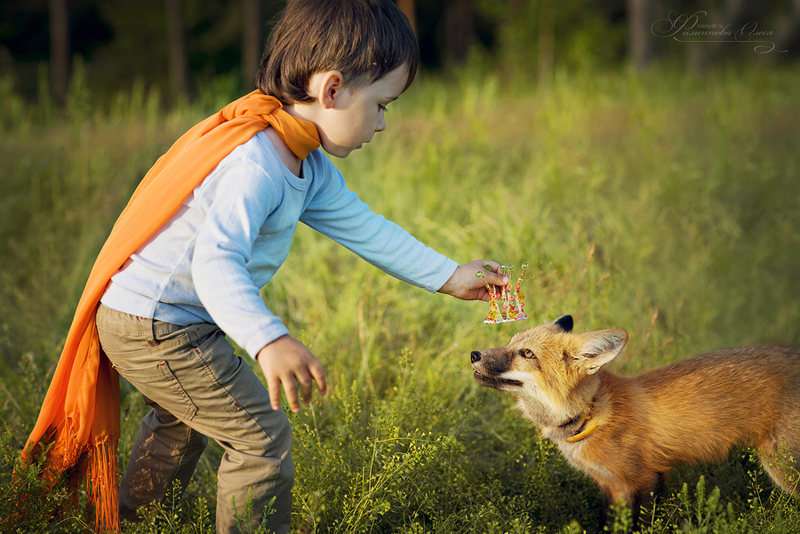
<point>306,386</point>
<point>274,386</point>
<point>491,272</point>
<point>318,374</point>
<point>291,394</point>
<point>488,265</point>
<point>495,279</point>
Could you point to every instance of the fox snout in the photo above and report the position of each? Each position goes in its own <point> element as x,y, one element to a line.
<point>490,365</point>
<point>488,362</point>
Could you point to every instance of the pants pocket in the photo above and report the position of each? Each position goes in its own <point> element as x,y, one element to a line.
<point>158,383</point>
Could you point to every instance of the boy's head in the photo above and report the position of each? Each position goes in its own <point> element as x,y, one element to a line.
<point>363,39</point>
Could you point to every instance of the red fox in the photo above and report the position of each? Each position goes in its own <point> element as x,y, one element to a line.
<point>627,433</point>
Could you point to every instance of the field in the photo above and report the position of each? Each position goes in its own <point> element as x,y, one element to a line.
<point>664,203</point>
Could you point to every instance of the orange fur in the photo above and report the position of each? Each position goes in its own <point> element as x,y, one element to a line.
<point>694,411</point>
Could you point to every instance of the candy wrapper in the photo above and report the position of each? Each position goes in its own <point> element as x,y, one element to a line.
<point>506,305</point>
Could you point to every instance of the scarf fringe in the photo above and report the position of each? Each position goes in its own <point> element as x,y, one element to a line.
<point>102,486</point>
<point>94,465</point>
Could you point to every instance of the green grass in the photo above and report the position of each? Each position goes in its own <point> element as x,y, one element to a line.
<point>666,204</point>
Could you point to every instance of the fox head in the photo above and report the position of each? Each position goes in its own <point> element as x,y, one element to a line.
<point>551,369</point>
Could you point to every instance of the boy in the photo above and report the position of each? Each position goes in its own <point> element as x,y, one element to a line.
<point>195,277</point>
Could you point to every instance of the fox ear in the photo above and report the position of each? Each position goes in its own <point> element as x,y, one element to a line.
<point>601,347</point>
<point>564,323</point>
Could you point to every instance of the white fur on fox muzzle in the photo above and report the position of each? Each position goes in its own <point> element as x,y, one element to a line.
<point>488,375</point>
<point>495,382</point>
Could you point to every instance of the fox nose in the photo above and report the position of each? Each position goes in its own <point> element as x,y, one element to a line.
<point>475,356</point>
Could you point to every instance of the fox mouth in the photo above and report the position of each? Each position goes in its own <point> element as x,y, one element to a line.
<point>495,382</point>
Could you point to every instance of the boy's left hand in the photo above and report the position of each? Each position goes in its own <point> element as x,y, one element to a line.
<point>466,286</point>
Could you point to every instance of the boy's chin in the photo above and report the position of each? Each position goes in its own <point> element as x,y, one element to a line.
<point>340,151</point>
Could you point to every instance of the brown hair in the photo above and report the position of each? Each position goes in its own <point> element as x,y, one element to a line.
<point>364,39</point>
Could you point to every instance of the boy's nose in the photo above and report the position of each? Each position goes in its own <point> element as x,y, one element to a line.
<point>381,126</point>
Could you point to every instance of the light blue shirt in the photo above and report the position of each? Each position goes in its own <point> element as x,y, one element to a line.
<point>230,236</point>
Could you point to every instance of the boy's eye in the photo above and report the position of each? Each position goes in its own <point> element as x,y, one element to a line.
<point>381,107</point>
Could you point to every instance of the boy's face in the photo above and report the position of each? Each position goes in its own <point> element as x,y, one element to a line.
<point>354,113</point>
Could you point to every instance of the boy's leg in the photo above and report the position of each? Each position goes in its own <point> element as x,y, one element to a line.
<point>165,450</point>
<point>192,374</point>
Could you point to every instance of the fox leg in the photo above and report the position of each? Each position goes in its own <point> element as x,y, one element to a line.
<point>783,468</point>
<point>634,498</point>
<point>613,495</point>
<point>645,499</point>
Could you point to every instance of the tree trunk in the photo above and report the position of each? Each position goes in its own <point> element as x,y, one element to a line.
<point>251,41</point>
<point>640,38</point>
<point>459,29</point>
<point>59,48</point>
<point>178,64</point>
<point>407,7</point>
<point>788,37</point>
<point>546,49</point>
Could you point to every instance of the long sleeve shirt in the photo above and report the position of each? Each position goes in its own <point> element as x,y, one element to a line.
<point>230,236</point>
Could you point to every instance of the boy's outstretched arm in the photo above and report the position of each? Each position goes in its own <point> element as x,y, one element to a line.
<point>466,286</point>
<point>287,361</point>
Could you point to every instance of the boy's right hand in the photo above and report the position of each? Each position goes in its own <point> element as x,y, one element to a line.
<point>287,361</point>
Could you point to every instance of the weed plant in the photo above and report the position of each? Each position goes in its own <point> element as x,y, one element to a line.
<point>664,203</point>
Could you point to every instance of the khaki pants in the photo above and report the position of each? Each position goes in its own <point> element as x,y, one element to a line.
<point>198,388</point>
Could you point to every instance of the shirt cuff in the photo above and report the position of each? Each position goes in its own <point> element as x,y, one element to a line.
<point>264,338</point>
<point>444,275</point>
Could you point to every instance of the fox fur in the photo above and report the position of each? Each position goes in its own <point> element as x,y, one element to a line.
<point>693,411</point>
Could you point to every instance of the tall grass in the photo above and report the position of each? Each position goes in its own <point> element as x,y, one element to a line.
<point>663,203</point>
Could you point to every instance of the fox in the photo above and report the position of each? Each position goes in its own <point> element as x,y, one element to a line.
<point>628,433</point>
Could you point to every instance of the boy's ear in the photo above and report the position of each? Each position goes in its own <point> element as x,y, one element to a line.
<point>599,348</point>
<point>330,85</point>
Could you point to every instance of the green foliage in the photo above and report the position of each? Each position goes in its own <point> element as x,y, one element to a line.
<point>27,505</point>
<point>245,522</point>
<point>585,33</point>
<point>171,517</point>
<point>666,204</point>
<point>449,474</point>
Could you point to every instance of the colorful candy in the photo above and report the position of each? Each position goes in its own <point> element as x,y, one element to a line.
<point>505,305</point>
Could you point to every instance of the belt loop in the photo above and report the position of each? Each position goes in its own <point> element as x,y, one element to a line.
<point>194,333</point>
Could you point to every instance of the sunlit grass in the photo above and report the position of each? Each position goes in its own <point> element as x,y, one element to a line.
<point>666,204</point>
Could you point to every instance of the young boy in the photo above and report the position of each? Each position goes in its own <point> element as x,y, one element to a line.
<point>164,315</point>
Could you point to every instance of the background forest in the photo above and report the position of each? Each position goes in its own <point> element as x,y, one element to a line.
<point>647,173</point>
<point>184,46</point>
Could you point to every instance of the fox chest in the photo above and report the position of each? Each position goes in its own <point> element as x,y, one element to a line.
<point>578,455</point>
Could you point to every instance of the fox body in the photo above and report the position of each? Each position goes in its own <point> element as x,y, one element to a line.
<point>627,433</point>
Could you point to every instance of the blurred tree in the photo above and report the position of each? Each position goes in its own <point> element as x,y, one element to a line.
<point>214,44</point>
<point>407,7</point>
<point>59,48</point>
<point>640,36</point>
<point>535,36</point>
<point>458,28</point>
<point>252,26</point>
<point>788,37</point>
<point>737,13</point>
<point>178,63</point>
<point>546,50</point>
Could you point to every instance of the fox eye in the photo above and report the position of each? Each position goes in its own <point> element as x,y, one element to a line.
<point>527,353</point>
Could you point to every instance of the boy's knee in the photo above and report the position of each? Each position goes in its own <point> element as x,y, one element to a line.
<point>266,435</point>
<point>276,440</point>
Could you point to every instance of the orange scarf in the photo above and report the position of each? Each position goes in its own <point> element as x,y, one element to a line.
<point>80,413</point>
